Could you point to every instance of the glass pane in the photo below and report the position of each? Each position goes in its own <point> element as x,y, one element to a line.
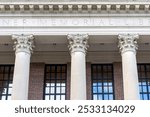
<point>6,76</point>
<point>57,89</point>
<point>53,69</point>
<point>149,89</point>
<point>47,90</point>
<point>144,89</point>
<point>110,90</point>
<point>47,84</point>
<point>110,97</point>
<point>148,74</point>
<point>58,84</point>
<point>57,97</point>
<point>58,68</point>
<point>63,76</point>
<point>105,96</point>
<point>145,96</point>
<point>99,83</point>
<point>105,83</point>
<point>143,83</point>
<point>94,89</point>
<point>63,84</point>
<point>95,97</point>
<point>4,91</point>
<point>52,84</point>
<point>63,68</point>
<point>141,96</point>
<point>46,97</point>
<point>52,90</point>
<point>52,97</point>
<point>100,97</point>
<point>99,89</point>
<point>63,90</point>
<point>9,98</point>
<point>52,75</point>
<point>59,76</point>
<point>10,84</point>
<point>62,97</point>
<point>105,89</point>
<point>94,84</point>
<point>9,90</point>
<point>3,98</point>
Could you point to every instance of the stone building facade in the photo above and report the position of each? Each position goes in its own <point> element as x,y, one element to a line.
<point>74,50</point>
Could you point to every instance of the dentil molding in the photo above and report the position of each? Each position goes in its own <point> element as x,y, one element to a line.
<point>75,7</point>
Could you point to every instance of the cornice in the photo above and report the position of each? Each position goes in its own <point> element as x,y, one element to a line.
<point>75,7</point>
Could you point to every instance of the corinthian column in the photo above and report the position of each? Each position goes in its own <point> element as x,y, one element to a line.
<point>78,46</point>
<point>128,46</point>
<point>23,46</point>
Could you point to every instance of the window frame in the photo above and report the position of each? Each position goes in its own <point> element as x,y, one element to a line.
<point>142,79</point>
<point>55,94</point>
<point>8,80</point>
<point>103,79</point>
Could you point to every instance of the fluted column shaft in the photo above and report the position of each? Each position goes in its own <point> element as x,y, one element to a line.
<point>128,47</point>
<point>23,45</point>
<point>78,46</point>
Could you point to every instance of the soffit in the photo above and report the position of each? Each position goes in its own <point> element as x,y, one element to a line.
<point>59,43</point>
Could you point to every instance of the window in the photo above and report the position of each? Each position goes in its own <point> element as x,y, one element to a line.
<point>6,76</point>
<point>144,81</point>
<point>55,82</point>
<point>102,82</point>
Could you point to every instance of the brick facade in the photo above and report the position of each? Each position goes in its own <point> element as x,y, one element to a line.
<point>118,81</point>
<point>68,81</point>
<point>88,81</point>
<point>36,81</point>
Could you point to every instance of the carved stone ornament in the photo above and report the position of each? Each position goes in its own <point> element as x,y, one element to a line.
<point>23,43</point>
<point>78,42</point>
<point>128,42</point>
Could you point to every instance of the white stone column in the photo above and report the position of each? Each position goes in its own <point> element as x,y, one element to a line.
<point>128,46</point>
<point>78,45</point>
<point>23,46</point>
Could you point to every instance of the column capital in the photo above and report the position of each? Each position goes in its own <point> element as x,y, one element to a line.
<point>78,42</point>
<point>23,43</point>
<point>128,42</point>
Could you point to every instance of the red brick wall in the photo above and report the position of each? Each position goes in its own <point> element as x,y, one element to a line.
<point>88,81</point>
<point>36,81</point>
<point>68,81</point>
<point>118,81</point>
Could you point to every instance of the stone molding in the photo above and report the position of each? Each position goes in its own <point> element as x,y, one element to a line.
<point>23,43</point>
<point>128,42</point>
<point>78,42</point>
<point>75,7</point>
